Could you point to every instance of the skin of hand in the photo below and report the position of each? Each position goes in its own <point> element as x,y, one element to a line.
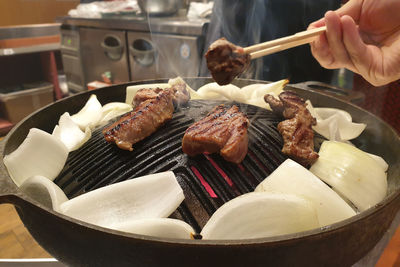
<point>362,36</point>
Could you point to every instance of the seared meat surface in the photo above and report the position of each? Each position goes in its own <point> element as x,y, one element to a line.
<point>180,95</point>
<point>145,94</point>
<point>226,61</point>
<point>223,130</point>
<point>146,118</point>
<point>298,136</point>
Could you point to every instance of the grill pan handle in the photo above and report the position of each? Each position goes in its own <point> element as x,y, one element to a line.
<point>8,190</point>
<point>354,97</point>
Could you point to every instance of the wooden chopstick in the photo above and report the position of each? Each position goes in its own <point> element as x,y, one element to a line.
<point>281,47</point>
<point>283,43</point>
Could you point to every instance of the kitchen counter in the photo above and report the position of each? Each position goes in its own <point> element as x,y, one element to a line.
<point>179,25</point>
<point>15,40</point>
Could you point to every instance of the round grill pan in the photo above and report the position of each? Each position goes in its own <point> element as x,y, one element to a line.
<point>208,181</point>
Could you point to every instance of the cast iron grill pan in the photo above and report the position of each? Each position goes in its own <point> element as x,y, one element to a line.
<point>208,181</point>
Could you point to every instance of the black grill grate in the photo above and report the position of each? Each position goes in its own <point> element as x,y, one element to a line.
<point>208,181</point>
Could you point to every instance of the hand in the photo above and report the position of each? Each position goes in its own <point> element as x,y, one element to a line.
<point>362,36</point>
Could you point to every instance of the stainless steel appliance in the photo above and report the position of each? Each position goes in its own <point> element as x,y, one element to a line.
<point>162,55</point>
<point>71,58</point>
<point>104,53</point>
<point>130,49</point>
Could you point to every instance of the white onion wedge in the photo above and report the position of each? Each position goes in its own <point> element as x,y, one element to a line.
<point>292,178</point>
<point>44,191</point>
<point>215,91</point>
<point>256,215</point>
<point>255,92</point>
<point>335,124</point>
<point>131,90</point>
<point>112,110</point>
<point>89,115</point>
<point>352,172</point>
<point>159,227</point>
<point>151,196</point>
<point>39,154</point>
<point>380,161</point>
<point>252,94</point>
<point>70,134</point>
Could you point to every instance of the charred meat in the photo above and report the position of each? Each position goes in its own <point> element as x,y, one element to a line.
<point>223,130</point>
<point>298,136</point>
<point>145,119</point>
<point>180,95</point>
<point>226,61</point>
<point>145,94</point>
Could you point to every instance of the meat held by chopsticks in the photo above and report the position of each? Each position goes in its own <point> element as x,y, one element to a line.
<point>298,136</point>
<point>226,61</point>
<point>146,118</point>
<point>223,130</point>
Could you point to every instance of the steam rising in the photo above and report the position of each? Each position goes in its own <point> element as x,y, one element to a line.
<point>246,23</point>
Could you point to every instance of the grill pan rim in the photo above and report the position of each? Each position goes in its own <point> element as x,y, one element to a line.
<point>331,229</point>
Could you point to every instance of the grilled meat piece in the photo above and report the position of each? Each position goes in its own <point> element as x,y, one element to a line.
<point>145,94</point>
<point>298,136</point>
<point>180,95</point>
<point>223,130</point>
<point>226,61</point>
<point>145,119</point>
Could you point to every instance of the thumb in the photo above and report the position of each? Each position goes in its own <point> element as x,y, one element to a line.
<point>355,46</point>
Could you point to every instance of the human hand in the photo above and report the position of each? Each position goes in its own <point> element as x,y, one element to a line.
<point>362,36</point>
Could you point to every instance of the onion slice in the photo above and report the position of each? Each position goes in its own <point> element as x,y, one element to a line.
<point>89,115</point>
<point>70,134</point>
<point>335,124</point>
<point>292,178</point>
<point>215,91</point>
<point>44,191</point>
<point>151,196</point>
<point>112,110</point>
<point>380,161</point>
<point>160,227</point>
<point>39,154</point>
<point>352,172</point>
<point>256,215</point>
<point>251,94</point>
<point>255,92</point>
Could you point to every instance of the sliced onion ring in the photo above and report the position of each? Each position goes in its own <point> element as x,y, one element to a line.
<point>292,178</point>
<point>70,134</point>
<point>44,191</point>
<point>89,115</point>
<point>256,215</point>
<point>151,196</point>
<point>352,172</point>
<point>39,154</point>
<point>160,227</point>
<point>335,124</point>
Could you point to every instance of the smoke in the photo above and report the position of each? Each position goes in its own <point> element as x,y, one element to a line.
<point>254,21</point>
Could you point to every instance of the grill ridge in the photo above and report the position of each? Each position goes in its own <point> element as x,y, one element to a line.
<point>98,163</point>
